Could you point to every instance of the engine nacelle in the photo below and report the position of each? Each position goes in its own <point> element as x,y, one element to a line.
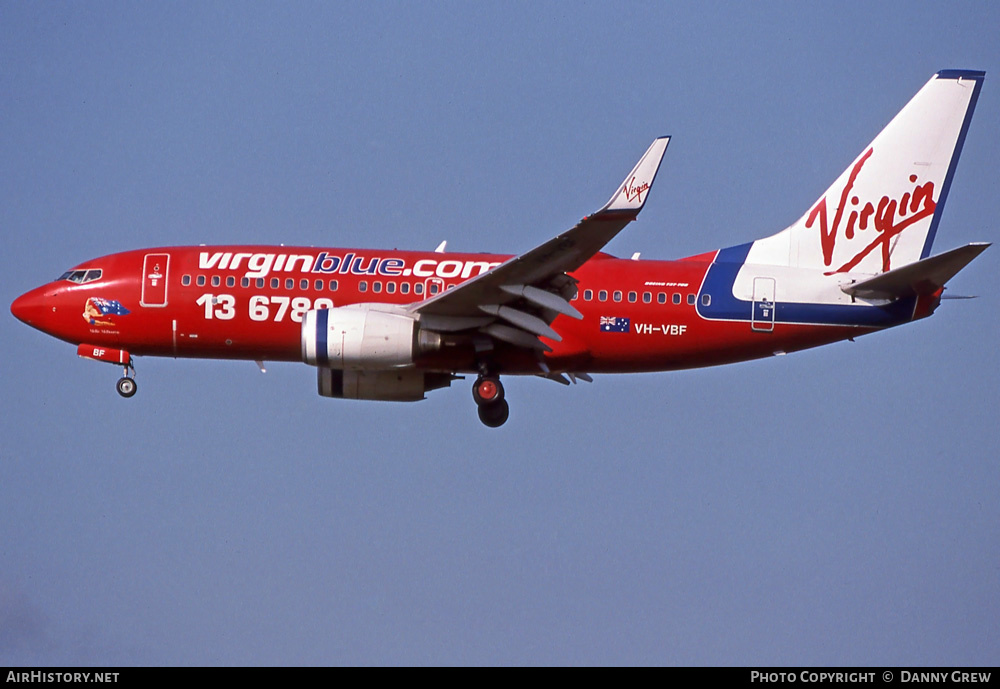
<point>359,337</point>
<point>396,385</point>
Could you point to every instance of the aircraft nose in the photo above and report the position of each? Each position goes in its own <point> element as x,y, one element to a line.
<point>29,307</point>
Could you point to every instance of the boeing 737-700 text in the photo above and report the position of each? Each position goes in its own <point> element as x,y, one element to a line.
<point>392,325</point>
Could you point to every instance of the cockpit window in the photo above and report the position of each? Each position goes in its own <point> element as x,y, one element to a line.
<point>81,276</point>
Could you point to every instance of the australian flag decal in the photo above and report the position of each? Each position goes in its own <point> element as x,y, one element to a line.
<point>613,324</point>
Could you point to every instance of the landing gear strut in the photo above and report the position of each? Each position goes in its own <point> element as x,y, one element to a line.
<point>488,393</point>
<point>126,384</point>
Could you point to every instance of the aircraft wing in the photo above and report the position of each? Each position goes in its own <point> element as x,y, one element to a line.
<point>517,300</point>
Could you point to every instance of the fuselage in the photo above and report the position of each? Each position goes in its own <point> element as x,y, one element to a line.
<point>248,302</point>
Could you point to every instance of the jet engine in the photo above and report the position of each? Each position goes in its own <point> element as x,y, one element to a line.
<point>363,337</point>
<point>394,385</point>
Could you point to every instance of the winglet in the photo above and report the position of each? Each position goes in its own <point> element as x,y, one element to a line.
<point>632,193</point>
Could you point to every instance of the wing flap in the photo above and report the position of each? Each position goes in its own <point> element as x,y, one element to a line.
<point>523,320</point>
<point>515,336</point>
<point>543,299</point>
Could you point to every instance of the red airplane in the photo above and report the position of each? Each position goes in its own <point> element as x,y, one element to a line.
<point>392,325</point>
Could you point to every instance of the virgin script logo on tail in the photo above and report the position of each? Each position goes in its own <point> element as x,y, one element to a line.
<point>888,217</point>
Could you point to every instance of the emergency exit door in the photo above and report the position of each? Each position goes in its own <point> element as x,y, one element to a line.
<point>762,318</point>
<point>154,280</point>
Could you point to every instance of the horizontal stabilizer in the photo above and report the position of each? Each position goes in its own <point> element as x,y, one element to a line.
<point>926,276</point>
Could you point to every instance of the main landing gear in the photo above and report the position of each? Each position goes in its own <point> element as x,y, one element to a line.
<point>126,384</point>
<point>487,391</point>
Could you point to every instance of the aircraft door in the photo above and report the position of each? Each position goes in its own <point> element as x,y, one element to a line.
<point>433,286</point>
<point>154,280</point>
<point>762,316</point>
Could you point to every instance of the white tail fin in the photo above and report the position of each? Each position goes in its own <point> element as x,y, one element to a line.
<point>883,211</point>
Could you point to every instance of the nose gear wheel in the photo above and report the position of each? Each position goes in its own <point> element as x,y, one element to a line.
<point>126,384</point>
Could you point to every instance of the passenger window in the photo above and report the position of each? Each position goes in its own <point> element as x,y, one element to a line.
<point>363,286</point>
<point>418,288</point>
<point>201,280</point>
<point>289,283</point>
<point>632,296</point>
<point>216,281</point>
<point>275,283</point>
<point>647,297</point>
<point>618,295</point>
<point>376,286</point>
<point>260,283</point>
<point>435,288</point>
<point>244,282</point>
<point>588,295</point>
<point>706,300</point>
<point>303,284</point>
<point>390,287</point>
<point>404,288</point>
<point>230,281</point>
<point>333,285</point>
<point>661,298</point>
<point>186,280</point>
<point>677,298</point>
<point>691,299</point>
<point>318,285</point>
<point>602,295</point>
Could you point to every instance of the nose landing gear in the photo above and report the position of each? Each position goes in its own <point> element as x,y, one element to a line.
<point>120,357</point>
<point>488,393</point>
<point>126,384</point>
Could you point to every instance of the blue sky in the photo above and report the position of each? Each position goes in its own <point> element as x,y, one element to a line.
<point>836,506</point>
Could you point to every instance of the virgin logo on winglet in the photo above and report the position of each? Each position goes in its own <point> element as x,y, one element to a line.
<point>912,206</point>
<point>633,191</point>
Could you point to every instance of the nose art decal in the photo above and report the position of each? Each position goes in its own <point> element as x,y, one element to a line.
<point>98,311</point>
